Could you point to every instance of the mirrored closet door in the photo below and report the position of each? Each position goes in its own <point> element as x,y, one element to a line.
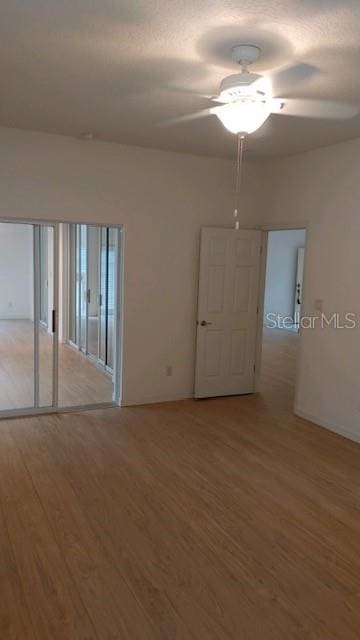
<point>59,316</point>
<point>28,335</point>
<point>92,282</point>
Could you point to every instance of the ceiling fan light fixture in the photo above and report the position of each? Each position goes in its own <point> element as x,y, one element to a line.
<point>243,117</point>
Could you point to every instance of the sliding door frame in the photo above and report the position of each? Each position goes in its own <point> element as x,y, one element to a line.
<point>56,315</point>
<point>82,321</point>
<point>36,225</point>
<point>44,281</point>
<point>118,319</point>
<point>54,320</point>
<point>36,286</point>
<point>118,315</point>
<point>117,371</point>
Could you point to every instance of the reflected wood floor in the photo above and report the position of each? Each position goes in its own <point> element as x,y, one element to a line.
<point>222,519</point>
<point>80,381</point>
<point>278,367</point>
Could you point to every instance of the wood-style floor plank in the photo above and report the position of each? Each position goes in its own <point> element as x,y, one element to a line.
<point>99,580</point>
<point>15,620</point>
<point>222,519</point>
<point>55,607</point>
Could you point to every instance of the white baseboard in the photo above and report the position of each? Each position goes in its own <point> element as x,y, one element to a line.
<point>327,424</point>
<point>19,317</point>
<point>129,402</point>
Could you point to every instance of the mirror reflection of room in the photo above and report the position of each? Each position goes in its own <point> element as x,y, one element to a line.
<point>64,357</point>
<point>87,347</point>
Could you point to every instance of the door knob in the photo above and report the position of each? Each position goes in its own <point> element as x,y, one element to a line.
<point>203,323</point>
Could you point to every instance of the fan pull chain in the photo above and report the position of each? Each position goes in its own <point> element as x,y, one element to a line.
<point>239,168</point>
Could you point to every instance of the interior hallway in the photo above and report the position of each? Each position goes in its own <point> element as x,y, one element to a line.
<point>216,519</point>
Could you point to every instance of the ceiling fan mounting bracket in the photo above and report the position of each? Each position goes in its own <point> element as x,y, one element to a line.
<point>245,54</point>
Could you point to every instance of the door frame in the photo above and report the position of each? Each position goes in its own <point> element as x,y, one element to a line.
<point>265,229</point>
<point>299,284</point>
<point>118,319</point>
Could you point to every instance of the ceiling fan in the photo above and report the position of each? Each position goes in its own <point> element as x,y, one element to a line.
<point>246,100</point>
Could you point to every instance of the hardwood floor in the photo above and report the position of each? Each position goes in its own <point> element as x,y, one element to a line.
<point>222,519</point>
<point>80,381</point>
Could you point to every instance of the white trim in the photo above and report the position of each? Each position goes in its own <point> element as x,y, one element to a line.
<point>98,298</point>
<point>95,361</point>
<point>172,397</point>
<point>32,411</point>
<point>285,226</point>
<point>87,289</point>
<point>73,345</point>
<point>119,317</point>
<point>327,424</point>
<point>63,283</point>
<point>36,289</point>
<point>55,335</point>
<point>87,407</point>
<point>25,412</point>
<point>260,316</point>
<point>57,221</point>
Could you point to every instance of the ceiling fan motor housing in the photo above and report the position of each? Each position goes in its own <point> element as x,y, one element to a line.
<point>239,86</point>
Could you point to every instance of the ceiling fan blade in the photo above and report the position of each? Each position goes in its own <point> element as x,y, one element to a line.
<point>176,89</point>
<point>219,100</point>
<point>266,130</point>
<point>277,105</point>
<point>290,78</point>
<point>322,109</point>
<point>205,96</point>
<point>186,118</point>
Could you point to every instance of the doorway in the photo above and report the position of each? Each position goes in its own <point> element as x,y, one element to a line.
<point>59,316</point>
<point>281,321</point>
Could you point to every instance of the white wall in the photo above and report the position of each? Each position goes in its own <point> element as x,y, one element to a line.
<point>281,270</point>
<point>323,187</point>
<point>16,271</point>
<point>162,199</point>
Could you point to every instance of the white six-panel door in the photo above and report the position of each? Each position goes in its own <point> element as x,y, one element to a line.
<point>227,312</point>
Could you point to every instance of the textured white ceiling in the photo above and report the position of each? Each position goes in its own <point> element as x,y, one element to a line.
<point>119,68</point>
